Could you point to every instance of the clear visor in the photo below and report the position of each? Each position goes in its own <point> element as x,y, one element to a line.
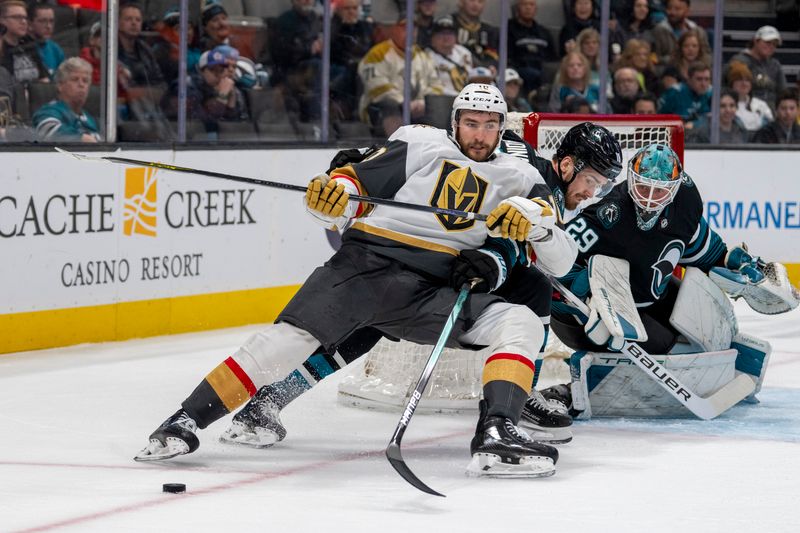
<point>596,182</point>
<point>651,195</point>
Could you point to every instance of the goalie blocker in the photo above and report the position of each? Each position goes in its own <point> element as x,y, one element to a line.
<point>710,352</point>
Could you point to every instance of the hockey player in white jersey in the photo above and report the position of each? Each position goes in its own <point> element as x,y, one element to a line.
<point>585,166</point>
<point>394,273</point>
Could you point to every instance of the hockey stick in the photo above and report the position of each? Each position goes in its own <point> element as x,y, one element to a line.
<point>277,185</point>
<point>705,408</point>
<point>393,450</point>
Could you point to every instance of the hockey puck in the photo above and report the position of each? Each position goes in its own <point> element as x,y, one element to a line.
<point>174,488</point>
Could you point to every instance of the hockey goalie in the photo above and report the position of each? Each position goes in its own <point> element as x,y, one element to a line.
<point>647,344</point>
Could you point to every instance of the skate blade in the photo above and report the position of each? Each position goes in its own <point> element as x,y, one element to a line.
<point>549,435</point>
<point>155,451</point>
<point>249,439</point>
<point>491,465</point>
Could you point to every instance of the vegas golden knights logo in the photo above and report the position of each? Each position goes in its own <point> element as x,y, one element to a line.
<point>458,188</point>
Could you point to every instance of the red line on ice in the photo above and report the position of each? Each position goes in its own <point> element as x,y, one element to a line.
<point>172,498</point>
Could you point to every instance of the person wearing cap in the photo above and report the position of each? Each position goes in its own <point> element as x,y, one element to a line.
<point>297,50</point>
<point>382,72</point>
<point>453,61</point>
<point>512,90</point>
<point>481,75</point>
<point>211,93</point>
<point>423,21</point>
<point>167,47</point>
<point>753,112</point>
<point>667,32</point>
<point>480,38</point>
<point>42,26</point>
<point>351,39</point>
<point>769,80</point>
<point>529,44</point>
<point>216,29</point>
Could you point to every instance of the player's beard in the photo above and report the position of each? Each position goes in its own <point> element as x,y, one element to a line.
<point>479,151</point>
<point>572,200</point>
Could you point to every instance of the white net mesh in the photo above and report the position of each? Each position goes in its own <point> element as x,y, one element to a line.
<point>386,376</point>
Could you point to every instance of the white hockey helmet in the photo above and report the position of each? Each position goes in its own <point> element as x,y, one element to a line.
<point>480,97</point>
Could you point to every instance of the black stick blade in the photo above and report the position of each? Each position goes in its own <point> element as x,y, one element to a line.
<point>396,460</point>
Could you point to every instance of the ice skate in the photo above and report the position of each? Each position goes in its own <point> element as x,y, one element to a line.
<point>546,421</point>
<point>257,424</point>
<point>501,449</point>
<point>559,397</point>
<point>176,436</point>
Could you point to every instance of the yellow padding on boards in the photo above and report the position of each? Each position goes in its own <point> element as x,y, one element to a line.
<point>793,269</point>
<point>146,318</point>
<point>508,370</point>
<point>228,387</point>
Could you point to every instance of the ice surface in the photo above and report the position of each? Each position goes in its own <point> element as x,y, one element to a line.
<point>71,420</point>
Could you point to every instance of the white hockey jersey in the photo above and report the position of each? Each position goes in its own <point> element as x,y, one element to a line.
<point>453,69</point>
<point>423,165</point>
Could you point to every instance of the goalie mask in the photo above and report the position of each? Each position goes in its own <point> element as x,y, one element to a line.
<point>654,176</point>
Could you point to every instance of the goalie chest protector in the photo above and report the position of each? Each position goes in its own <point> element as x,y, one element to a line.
<point>609,228</point>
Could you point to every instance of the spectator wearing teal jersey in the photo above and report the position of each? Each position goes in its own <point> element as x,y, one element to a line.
<point>690,100</point>
<point>43,21</point>
<point>64,119</point>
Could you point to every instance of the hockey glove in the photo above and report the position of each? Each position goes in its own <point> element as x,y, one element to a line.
<point>327,201</point>
<point>522,219</point>
<point>739,259</point>
<point>598,332</point>
<point>487,265</point>
<point>764,286</point>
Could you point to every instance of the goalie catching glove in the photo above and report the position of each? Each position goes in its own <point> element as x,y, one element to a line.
<point>486,265</point>
<point>764,286</point>
<point>522,219</point>
<point>328,201</point>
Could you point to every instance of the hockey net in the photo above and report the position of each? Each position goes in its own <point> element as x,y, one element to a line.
<point>386,376</point>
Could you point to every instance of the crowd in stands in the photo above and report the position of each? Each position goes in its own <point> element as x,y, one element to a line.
<point>659,62</point>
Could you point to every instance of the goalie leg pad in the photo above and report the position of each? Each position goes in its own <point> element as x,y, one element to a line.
<point>753,356</point>
<point>615,386</point>
<point>703,314</point>
<point>579,364</point>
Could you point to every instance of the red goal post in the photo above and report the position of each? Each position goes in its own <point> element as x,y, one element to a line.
<point>387,375</point>
<point>544,131</point>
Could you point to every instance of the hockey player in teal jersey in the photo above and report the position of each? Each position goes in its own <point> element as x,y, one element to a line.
<point>654,222</point>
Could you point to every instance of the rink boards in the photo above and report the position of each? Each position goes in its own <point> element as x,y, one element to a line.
<point>96,251</point>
